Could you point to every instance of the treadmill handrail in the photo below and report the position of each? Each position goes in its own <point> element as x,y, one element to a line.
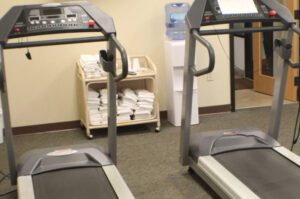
<point>54,42</point>
<point>211,54</point>
<point>124,59</point>
<point>243,30</point>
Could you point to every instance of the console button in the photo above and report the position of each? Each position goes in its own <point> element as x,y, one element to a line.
<point>91,23</point>
<point>272,13</point>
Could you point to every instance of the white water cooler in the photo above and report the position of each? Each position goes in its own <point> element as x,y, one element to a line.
<point>174,56</point>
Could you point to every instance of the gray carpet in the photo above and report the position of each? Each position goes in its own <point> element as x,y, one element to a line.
<point>149,162</point>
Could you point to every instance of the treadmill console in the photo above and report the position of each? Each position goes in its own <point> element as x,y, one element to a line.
<point>231,11</point>
<point>53,19</point>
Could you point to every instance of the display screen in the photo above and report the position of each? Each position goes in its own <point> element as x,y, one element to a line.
<point>34,18</point>
<point>52,11</point>
<point>53,17</point>
<point>237,7</point>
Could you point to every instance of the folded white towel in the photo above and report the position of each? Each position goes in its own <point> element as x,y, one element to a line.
<point>94,111</point>
<point>144,108</point>
<point>144,92</point>
<point>91,66</point>
<point>123,118</point>
<point>93,106</point>
<point>125,112</point>
<point>103,108</point>
<point>142,115</point>
<point>94,99</point>
<point>129,93</point>
<point>96,123</point>
<point>129,100</point>
<point>92,92</point>
<point>95,117</point>
<point>147,100</point>
<point>103,92</point>
<point>144,103</point>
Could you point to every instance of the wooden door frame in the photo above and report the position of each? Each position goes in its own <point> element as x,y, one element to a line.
<point>264,83</point>
<point>296,57</point>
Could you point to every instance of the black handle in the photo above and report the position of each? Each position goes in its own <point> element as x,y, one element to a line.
<point>211,54</point>
<point>107,62</point>
<point>296,30</point>
<point>124,59</point>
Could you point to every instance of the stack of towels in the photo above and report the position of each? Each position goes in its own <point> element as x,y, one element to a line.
<point>127,104</point>
<point>103,105</point>
<point>93,107</point>
<point>145,104</point>
<point>140,102</point>
<point>131,105</point>
<point>124,113</point>
<point>91,66</point>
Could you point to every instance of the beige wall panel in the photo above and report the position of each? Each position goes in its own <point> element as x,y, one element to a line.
<point>44,91</point>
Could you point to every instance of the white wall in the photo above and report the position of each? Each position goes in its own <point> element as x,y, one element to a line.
<point>44,90</point>
<point>214,88</point>
<point>239,51</point>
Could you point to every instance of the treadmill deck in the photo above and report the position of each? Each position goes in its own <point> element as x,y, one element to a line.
<point>264,171</point>
<point>78,183</point>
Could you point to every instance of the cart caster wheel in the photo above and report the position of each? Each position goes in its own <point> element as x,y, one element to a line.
<point>82,125</point>
<point>157,129</point>
<point>90,137</point>
<point>191,171</point>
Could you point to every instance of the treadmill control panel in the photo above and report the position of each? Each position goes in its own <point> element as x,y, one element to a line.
<point>53,19</point>
<point>223,11</point>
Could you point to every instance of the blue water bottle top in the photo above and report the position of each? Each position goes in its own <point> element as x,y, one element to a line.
<point>175,20</point>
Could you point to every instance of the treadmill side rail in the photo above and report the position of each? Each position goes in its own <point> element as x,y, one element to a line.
<point>117,182</point>
<point>224,179</point>
<point>288,154</point>
<point>25,187</point>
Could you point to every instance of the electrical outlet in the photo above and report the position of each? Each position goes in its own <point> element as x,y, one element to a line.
<point>210,77</point>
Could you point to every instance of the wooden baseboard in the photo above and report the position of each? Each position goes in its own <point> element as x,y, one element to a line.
<point>215,109</point>
<point>46,127</point>
<point>76,124</point>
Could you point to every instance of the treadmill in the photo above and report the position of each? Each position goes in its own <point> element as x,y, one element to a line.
<point>77,172</point>
<point>240,163</point>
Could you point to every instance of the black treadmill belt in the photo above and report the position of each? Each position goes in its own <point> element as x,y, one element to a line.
<point>80,183</point>
<point>264,171</point>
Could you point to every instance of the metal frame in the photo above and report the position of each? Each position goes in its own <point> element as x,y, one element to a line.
<point>279,91</point>
<point>112,130</point>
<point>112,108</point>
<point>113,45</point>
<point>218,177</point>
<point>7,122</point>
<point>188,78</point>
<point>189,70</point>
